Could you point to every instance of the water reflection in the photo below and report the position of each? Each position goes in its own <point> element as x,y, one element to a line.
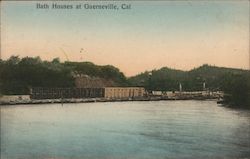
<point>162,129</point>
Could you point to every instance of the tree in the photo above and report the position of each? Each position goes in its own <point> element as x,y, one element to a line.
<point>237,89</point>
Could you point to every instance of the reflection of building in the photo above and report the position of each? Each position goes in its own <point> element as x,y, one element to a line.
<point>124,92</point>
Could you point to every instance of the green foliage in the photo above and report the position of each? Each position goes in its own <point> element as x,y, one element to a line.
<point>211,75</point>
<point>107,72</point>
<point>237,89</point>
<point>234,82</point>
<point>167,79</point>
<point>17,75</point>
<point>162,79</point>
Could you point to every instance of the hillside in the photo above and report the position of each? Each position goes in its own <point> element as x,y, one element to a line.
<point>162,79</point>
<point>169,79</point>
<point>18,75</point>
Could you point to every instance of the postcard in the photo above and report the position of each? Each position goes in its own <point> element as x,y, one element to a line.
<point>125,79</point>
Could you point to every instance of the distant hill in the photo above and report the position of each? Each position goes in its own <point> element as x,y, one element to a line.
<point>207,71</point>
<point>169,79</point>
<point>162,79</point>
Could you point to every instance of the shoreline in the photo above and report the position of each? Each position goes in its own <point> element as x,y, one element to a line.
<point>93,100</point>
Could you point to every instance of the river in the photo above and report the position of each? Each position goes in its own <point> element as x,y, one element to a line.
<point>150,129</point>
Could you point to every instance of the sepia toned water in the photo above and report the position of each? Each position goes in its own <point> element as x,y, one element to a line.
<point>157,129</point>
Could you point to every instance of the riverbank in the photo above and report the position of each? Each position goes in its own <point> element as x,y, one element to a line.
<point>91,100</point>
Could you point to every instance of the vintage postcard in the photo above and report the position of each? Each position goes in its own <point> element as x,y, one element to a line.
<point>125,79</point>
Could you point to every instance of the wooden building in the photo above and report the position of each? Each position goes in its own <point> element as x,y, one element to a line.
<point>61,93</point>
<point>105,92</point>
<point>123,92</point>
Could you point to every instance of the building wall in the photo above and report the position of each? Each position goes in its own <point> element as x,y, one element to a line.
<point>60,93</point>
<point>124,92</point>
<point>157,93</point>
<point>107,92</point>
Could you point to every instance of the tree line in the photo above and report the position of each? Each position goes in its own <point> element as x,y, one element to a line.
<point>18,75</point>
<point>235,83</point>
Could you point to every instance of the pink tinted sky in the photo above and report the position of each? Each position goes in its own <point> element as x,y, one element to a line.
<point>151,35</point>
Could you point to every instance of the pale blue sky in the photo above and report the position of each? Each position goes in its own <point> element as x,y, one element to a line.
<point>153,34</point>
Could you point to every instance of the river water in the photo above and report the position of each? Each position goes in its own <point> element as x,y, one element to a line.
<point>155,129</point>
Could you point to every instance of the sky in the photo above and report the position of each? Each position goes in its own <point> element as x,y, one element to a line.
<point>150,35</point>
